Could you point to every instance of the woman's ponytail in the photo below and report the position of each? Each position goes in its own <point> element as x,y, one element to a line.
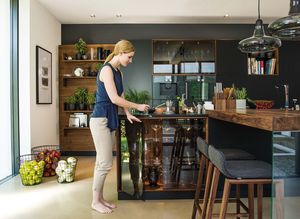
<point>109,57</point>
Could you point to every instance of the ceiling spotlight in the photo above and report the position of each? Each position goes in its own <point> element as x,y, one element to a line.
<point>92,15</point>
<point>119,15</point>
<point>226,15</point>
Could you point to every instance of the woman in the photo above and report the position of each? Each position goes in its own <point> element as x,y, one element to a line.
<point>104,119</point>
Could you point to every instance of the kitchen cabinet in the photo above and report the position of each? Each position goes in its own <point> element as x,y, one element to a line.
<point>183,67</point>
<point>149,162</point>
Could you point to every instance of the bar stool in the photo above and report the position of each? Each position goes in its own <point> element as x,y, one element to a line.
<point>230,154</point>
<point>240,172</point>
<point>178,140</point>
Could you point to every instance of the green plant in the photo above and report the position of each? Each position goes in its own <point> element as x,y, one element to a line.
<point>81,46</point>
<point>98,66</point>
<point>240,93</point>
<point>81,94</point>
<point>90,98</point>
<point>71,99</point>
<point>137,97</point>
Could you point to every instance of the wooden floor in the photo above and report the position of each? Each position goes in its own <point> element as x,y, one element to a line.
<point>62,201</point>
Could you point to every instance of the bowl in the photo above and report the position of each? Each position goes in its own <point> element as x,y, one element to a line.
<point>151,110</point>
<point>159,110</point>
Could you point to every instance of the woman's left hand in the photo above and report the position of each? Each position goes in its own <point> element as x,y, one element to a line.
<point>132,118</point>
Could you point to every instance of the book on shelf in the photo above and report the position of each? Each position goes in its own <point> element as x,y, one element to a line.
<point>261,67</point>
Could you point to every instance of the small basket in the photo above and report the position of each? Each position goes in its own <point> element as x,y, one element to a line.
<point>66,169</point>
<point>31,171</point>
<point>50,154</point>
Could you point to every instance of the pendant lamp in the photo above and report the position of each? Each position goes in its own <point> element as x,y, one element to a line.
<point>287,27</point>
<point>259,42</point>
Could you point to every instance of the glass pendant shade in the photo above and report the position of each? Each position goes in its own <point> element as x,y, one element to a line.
<point>259,42</point>
<point>287,27</point>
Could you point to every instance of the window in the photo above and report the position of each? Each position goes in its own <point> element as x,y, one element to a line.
<point>5,92</point>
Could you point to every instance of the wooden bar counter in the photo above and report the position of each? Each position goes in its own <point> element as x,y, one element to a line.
<point>270,135</point>
<point>270,120</point>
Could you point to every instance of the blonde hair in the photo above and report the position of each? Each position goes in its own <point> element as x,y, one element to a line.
<point>121,46</point>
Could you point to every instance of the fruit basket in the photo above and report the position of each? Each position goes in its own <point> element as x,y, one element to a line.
<point>264,104</point>
<point>50,154</point>
<point>31,170</point>
<point>66,170</point>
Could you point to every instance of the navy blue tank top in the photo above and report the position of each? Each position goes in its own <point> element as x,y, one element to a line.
<point>104,107</point>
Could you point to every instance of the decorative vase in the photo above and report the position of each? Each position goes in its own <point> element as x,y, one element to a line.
<point>153,176</point>
<point>241,104</point>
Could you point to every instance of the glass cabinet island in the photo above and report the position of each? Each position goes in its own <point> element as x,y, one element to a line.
<point>158,159</point>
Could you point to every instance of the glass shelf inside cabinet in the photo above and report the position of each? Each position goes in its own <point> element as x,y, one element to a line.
<point>183,57</point>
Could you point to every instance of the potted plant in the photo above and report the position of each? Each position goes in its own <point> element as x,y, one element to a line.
<point>97,68</point>
<point>81,48</point>
<point>81,94</point>
<point>142,97</point>
<point>241,95</point>
<point>71,101</point>
<point>90,99</point>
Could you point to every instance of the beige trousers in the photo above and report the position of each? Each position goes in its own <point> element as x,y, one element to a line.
<point>104,140</point>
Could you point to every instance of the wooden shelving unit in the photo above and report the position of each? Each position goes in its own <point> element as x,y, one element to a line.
<point>76,139</point>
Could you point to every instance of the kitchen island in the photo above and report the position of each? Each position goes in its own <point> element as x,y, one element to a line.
<point>272,136</point>
<point>147,168</point>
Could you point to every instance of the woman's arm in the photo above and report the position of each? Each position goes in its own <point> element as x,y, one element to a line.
<point>108,79</point>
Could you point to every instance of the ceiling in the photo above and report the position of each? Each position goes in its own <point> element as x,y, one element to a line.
<point>164,11</point>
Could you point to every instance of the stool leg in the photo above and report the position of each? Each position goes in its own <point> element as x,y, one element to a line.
<point>207,189</point>
<point>226,192</point>
<point>260,201</point>
<point>279,193</point>
<point>238,199</point>
<point>199,185</point>
<point>251,200</point>
<point>213,193</point>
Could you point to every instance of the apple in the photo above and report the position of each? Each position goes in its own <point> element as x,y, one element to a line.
<point>31,172</point>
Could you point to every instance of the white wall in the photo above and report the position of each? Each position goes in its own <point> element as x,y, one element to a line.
<point>38,122</point>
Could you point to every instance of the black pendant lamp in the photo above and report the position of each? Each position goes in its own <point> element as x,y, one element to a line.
<point>259,42</point>
<point>287,27</point>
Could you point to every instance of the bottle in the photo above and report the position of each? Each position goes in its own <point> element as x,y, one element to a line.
<point>199,108</point>
<point>176,104</point>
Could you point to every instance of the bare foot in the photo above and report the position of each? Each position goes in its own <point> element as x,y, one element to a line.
<point>103,209</point>
<point>107,204</point>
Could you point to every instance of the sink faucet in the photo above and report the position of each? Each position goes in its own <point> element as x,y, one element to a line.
<point>286,94</point>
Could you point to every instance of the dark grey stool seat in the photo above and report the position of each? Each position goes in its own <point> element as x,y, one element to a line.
<point>230,154</point>
<point>239,169</point>
<point>240,172</point>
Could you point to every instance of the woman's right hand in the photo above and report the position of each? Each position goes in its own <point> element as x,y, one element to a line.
<point>142,107</point>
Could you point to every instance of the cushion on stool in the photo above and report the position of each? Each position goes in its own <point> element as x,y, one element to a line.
<point>236,154</point>
<point>202,146</point>
<point>239,168</point>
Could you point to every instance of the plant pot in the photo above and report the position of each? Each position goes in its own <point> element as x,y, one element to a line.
<point>78,56</point>
<point>91,106</point>
<point>71,106</point>
<point>241,104</point>
<point>81,106</point>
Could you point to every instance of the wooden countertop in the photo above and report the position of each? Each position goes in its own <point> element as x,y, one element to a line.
<point>167,116</point>
<point>270,120</point>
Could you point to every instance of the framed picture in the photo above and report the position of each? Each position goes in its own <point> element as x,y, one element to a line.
<point>43,76</point>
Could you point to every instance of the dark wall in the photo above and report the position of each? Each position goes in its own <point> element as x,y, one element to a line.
<point>232,68</point>
<point>110,33</point>
<point>231,63</point>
